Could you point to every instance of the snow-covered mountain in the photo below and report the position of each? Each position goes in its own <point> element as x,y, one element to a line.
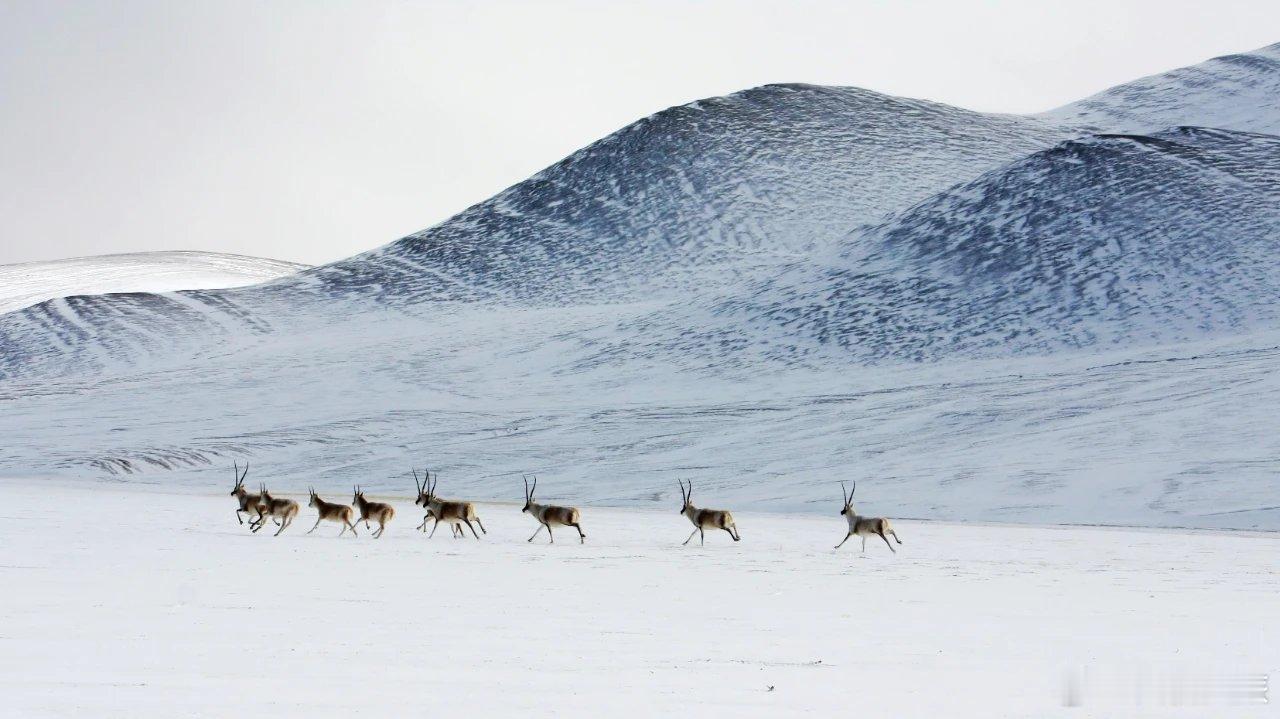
<point>981,316</point>
<point>1234,92</point>
<point>725,184</point>
<point>692,197</point>
<point>1100,241</point>
<point>28,283</point>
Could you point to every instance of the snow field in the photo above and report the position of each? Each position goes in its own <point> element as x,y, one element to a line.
<point>128,601</point>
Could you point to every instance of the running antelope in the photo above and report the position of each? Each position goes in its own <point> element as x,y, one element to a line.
<point>548,514</point>
<point>377,511</point>
<point>250,503</point>
<point>864,526</point>
<point>704,519</point>
<point>455,514</point>
<point>331,511</point>
<point>283,509</point>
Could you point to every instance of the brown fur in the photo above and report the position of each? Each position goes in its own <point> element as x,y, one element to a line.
<point>455,514</point>
<point>283,509</point>
<point>250,503</point>
<point>332,512</point>
<point>549,514</point>
<point>864,526</point>
<point>377,511</point>
<point>704,519</point>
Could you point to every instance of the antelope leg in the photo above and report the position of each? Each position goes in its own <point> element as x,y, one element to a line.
<point>695,531</point>
<point>317,524</point>
<point>886,543</point>
<point>536,531</point>
<point>473,529</point>
<point>842,541</point>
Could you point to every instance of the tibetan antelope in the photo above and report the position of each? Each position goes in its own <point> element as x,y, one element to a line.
<point>333,512</point>
<point>250,504</point>
<point>548,514</point>
<point>455,514</point>
<point>283,509</point>
<point>704,519</point>
<point>377,511</point>
<point>864,526</point>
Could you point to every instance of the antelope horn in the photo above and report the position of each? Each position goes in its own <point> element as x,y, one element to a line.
<point>415,481</point>
<point>236,469</point>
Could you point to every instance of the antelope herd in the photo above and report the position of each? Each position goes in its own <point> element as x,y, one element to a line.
<point>262,506</point>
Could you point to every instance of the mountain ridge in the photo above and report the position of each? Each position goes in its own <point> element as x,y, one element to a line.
<point>1231,92</point>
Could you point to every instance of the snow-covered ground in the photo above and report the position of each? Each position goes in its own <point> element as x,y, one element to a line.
<point>28,283</point>
<point>123,600</point>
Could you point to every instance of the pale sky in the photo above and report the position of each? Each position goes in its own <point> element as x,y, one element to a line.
<point>311,131</point>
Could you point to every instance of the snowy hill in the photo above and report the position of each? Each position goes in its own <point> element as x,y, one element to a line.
<point>980,317</point>
<point>1102,241</point>
<point>759,176</point>
<point>692,197</point>
<point>29,283</point>
<point>1235,92</point>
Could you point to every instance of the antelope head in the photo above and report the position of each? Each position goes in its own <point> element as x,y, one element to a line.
<point>686,495</point>
<point>528,494</point>
<point>357,496</point>
<point>239,489</point>
<point>426,490</point>
<point>262,491</point>
<point>848,499</point>
<point>312,498</point>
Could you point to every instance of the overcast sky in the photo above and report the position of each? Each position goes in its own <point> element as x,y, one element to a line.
<point>311,131</point>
